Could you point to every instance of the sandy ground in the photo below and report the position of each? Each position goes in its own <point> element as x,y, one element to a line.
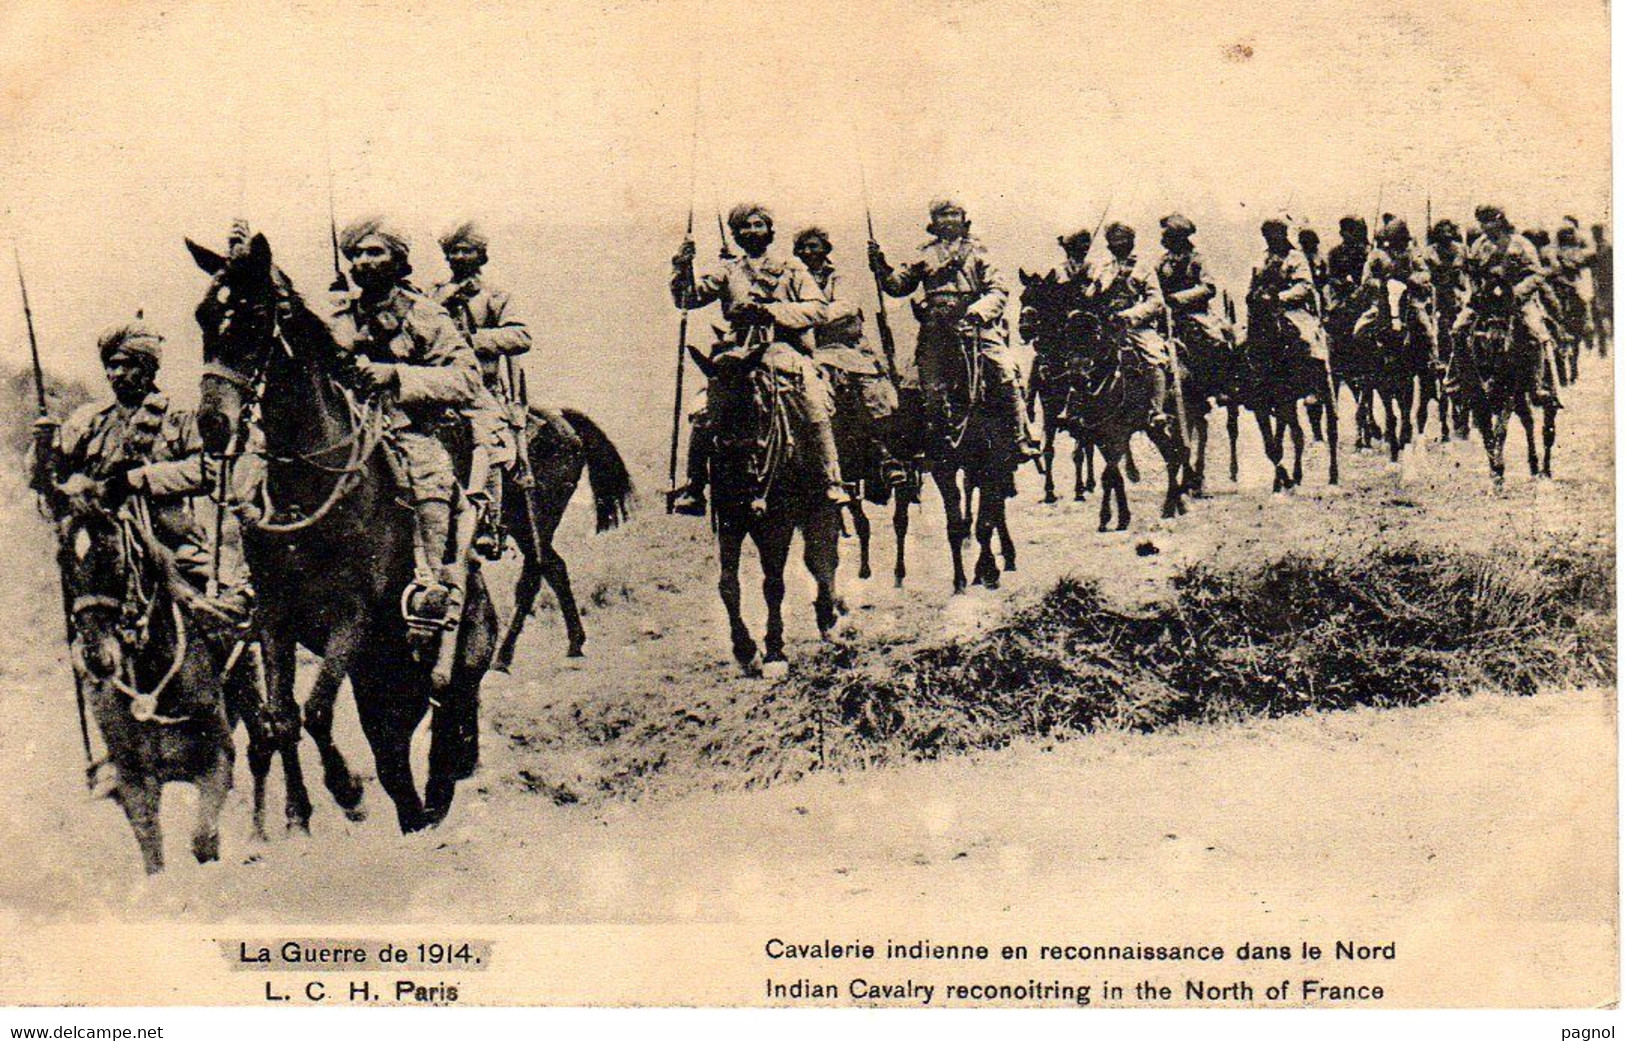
<point>1484,824</point>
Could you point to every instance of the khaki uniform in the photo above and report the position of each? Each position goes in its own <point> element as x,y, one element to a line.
<point>957,280</point>
<point>847,354</point>
<point>1188,292</point>
<point>1129,291</point>
<point>1291,314</point>
<point>1397,286</point>
<point>486,316</point>
<point>796,303</point>
<point>162,442</point>
<point>437,373</point>
<point>1506,278</point>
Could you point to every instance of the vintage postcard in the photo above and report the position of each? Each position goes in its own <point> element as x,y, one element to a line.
<point>1033,504</point>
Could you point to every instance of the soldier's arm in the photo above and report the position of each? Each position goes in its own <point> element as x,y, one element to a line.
<point>1149,305</point>
<point>502,333</point>
<point>799,301</point>
<point>989,307</point>
<point>1198,294</point>
<point>177,469</point>
<point>691,291</point>
<point>1296,287</point>
<point>902,281</point>
<point>446,371</point>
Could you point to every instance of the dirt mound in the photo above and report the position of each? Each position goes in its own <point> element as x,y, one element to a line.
<point>1397,627</point>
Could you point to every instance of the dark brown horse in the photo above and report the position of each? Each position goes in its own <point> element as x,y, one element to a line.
<point>331,552</point>
<point>1045,302</point>
<point>1494,366</point>
<point>558,446</point>
<point>765,488</point>
<point>165,694</point>
<point>1108,396</point>
<point>1280,372</point>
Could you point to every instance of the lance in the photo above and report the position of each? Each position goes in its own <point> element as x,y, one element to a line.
<point>682,322</point>
<point>67,611</point>
<point>340,283</point>
<point>888,343</point>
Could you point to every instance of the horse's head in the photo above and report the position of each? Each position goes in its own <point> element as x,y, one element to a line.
<point>95,562</point>
<point>239,317</point>
<point>1045,303</point>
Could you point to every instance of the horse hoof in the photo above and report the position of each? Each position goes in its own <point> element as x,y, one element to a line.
<point>865,573</point>
<point>776,670</point>
<point>356,814</point>
<point>502,665</point>
<point>299,828</point>
<point>1051,498</point>
<point>1122,525</point>
<point>753,666</point>
<point>1010,564</point>
<point>577,649</point>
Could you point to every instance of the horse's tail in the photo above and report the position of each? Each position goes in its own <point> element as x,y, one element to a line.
<point>606,471</point>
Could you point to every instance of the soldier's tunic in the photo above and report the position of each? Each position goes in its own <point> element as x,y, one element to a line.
<point>162,441</point>
<point>1188,292</point>
<point>1397,286</point>
<point>957,280</point>
<point>846,353</point>
<point>796,303</point>
<point>486,316</point>
<point>1504,277</point>
<point>1565,270</point>
<point>437,371</point>
<point>1290,316</point>
<point>1345,266</point>
<point>1128,289</point>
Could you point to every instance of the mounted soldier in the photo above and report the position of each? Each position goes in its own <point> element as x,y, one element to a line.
<point>1206,343</point>
<point>1504,273</point>
<point>856,367</point>
<point>486,315</point>
<point>963,297</point>
<point>137,443</point>
<point>1281,297</point>
<point>1309,245</point>
<point>1127,291</point>
<point>1396,287</point>
<point>1345,265</point>
<point>409,353</point>
<point>772,305</point>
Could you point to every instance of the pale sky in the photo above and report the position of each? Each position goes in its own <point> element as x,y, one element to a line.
<point>129,125</point>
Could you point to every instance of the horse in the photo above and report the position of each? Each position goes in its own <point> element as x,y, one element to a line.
<point>166,697</point>
<point>1109,399</point>
<point>765,487</point>
<point>1045,301</point>
<point>1278,373</point>
<point>557,447</point>
<point>1494,359</point>
<point>331,553</point>
<point>1391,336</point>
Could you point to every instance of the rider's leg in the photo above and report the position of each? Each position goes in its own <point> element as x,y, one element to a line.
<point>689,500</point>
<point>1544,364</point>
<point>811,404</point>
<point>1006,390</point>
<point>879,399</point>
<point>429,469</point>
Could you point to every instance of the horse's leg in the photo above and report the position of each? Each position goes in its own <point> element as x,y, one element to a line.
<point>1168,444</point>
<point>1079,490</point>
<point>1197,483</point>
<point>524,601</point>
<point>212,789</point>
<point>730,541</point>
<point>1314,410</point>
<point>1495,442</point>
<point>1007,544</point>
<point>1329,389</point>
<point>1232,425</point>
<point>821,553</point>
<point>947,480</point>
<point>860,522</point>
<point>454,731</point>
<point>986,571</point>
<point>390,707</point>
<point>342,644</point>
<point>557,573</point>
<point>899,527</point>
<point>1407,407</point>
<point>1527,418</point>
<point>772,538</point>
<point>1548,429</point>
<point>1049,458</point>
<point>1264,415</point>
<point>139,797</point>
<point>1089,484</point>
<point>260,753</point>
<point>277,655</point>
<point>1296,427</point>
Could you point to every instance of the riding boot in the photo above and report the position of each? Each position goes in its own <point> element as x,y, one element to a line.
<point>1007,393</point>
<point>827,458</point>
<point>689,500</point>
<point>432,532</point>
<point>488,537</point>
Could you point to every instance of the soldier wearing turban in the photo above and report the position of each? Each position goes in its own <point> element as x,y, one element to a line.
<point>136,443</point>
<point>768,299</point>
<point>962,299</point>
<point>1204,337</point>
<point>486,315</point>
<point>1504,274</point>
<point>410,355</point>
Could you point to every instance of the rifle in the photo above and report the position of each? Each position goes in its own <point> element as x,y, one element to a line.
<point>67,609</point>
<point>682,324</point>
<point>340,283</point>
<point>888,343</point>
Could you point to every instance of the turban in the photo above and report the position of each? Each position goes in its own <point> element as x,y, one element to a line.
<point>135,337</point>
<point>1487,215</point>
<point>1396,230</point>
<point>466,234</point>
<point>1178,224</point>
<point>815,232</point>
<point>744,212</point>
<point>941,206</point>
<point>1352,227</point>
<point>393,238</point>
<point>1280,221</point>
<point>1445,231</point>
<point>1118,230</point>
<point>1078,240</point>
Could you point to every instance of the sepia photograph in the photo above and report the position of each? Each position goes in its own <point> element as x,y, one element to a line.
<point>1022,504</point>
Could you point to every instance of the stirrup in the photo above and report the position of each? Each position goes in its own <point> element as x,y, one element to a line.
<point>430,608</point>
